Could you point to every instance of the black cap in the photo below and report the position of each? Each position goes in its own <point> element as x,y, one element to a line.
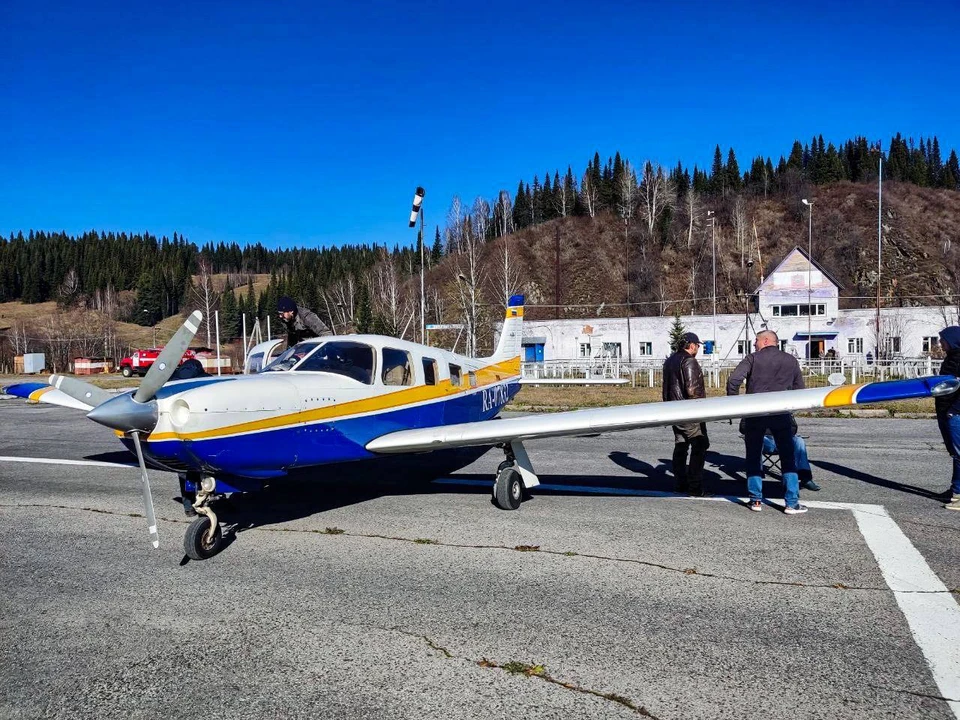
<point>285,304</point>
<point>691,338</point>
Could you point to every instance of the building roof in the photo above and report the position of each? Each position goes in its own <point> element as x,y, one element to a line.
<point>789,257</point>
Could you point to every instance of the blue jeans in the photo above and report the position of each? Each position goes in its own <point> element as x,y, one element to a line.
<point>950,430</point>
<point>781,429</point>
<point>800,459</point>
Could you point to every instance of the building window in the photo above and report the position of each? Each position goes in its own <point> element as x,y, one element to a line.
<point>931,344</point>
<point>743,347</point>
<point>611,349</point>
<point>646,348</point>
<point>585,350</point>
<point>783,345</point>
<point>855,346</point>
<point>893,345</point>
<point>799,310</point>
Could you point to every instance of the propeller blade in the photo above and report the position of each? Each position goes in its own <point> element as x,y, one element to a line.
<point>166,364</point>
<point>79,390</point>
<point>147,495</point>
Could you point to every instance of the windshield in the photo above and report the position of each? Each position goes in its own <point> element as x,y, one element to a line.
<point>350,359</point>
<point>290,357</point>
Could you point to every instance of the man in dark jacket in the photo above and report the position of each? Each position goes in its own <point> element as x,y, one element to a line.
<point>300,323</point>
<point>769,369</point>
<point>683,380</point>
<point>948,411</point>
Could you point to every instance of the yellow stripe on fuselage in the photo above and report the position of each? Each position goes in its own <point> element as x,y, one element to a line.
<point>489,375</point>
<point>840,396</point>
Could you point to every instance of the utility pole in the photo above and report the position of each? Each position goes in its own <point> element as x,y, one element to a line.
<point>713,245</point>
<point>556,254</point>
<point>879,247</point>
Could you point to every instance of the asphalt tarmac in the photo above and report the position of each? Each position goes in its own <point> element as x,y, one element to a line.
<point>376,592</point>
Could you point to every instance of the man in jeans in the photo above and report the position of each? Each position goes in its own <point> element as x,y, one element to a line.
<point>768,369</point>
<point>948,411</point>
<point>683,380</point>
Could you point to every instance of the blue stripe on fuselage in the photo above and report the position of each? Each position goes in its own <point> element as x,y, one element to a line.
<point>303,445</point>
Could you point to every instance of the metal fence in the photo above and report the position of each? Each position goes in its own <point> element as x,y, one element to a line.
<point>649,373</point>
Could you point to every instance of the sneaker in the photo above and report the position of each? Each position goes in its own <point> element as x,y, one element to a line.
<point>954,503</point>
<point>755,505</point>
<point>810,485</point>
<point>796,509</point>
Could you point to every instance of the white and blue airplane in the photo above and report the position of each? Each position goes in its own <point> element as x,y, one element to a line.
<point>356,397</point>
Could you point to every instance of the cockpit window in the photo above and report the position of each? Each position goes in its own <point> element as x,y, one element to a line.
<point>351,359</point>
<point>290,357</point>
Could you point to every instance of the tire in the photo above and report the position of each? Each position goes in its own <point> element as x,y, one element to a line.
<point>196,543</point>
<point>508,489</point>
<point>126,371</point>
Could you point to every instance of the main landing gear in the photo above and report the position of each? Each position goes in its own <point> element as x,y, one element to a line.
<point>204,537</point>
<point>515,477</point>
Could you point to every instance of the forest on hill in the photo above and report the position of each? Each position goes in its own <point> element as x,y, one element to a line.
<point>612,239</point>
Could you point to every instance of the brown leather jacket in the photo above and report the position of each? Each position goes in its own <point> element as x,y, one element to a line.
<point>682,377</point>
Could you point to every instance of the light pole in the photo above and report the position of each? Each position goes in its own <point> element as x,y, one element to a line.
<point>746,311</point>
<point>713,246</point>
<point>809,204</point>
<point>418,210</point>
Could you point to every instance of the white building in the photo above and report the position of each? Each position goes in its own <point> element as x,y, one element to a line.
<point>799,301</point>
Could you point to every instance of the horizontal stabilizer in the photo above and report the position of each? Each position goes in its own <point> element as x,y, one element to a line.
<point>43,393</point>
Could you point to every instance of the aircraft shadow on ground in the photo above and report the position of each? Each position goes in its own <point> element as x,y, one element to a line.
<point>874,480</point>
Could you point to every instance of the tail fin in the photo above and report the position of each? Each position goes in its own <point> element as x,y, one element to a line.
<point>508,347</point>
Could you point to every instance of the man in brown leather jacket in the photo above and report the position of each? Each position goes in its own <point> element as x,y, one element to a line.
<point>683,380</point>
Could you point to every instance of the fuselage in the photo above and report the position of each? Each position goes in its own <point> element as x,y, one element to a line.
<point>322,404</point>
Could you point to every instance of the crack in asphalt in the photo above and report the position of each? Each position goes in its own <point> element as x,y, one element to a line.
<point>915,693</point>
<point>527,549</point>
<point>519,668</point>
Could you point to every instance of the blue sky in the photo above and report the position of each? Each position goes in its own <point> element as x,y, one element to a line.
<point>306,123</point>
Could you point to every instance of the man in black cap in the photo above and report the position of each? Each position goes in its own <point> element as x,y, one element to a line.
<point>683,380</point>
<point>948,412</point>
<point>301,323</point>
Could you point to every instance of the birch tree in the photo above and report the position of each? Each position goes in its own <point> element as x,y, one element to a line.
<point>507,277</point>
<point>340,299</point>
<point>470,277</point>
<point>503,214</point>
<point>481,218</point>
<point>740,227</point>
<point>692,206</point>
<point>455,226</point>
<point>589,194</point>
<point>204,294</point>
<point>656,195</point>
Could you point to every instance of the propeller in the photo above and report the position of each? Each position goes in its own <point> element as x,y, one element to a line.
<point>79,390</point>
<point>137,414</point>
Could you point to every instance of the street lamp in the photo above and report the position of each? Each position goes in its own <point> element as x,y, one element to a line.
<point>809,204</point>
<point>713,246</point>
<point>418,210</point>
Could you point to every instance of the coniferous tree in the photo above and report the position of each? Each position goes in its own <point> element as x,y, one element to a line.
<point>436,252</point>
<point>677,331</point>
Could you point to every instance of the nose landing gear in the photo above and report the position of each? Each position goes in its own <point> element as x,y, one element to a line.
<point>204,537</point>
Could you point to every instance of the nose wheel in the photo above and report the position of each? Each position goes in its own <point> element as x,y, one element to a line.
<point>204,536</point>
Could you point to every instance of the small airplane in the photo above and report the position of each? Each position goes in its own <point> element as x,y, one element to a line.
<point>354,397</point>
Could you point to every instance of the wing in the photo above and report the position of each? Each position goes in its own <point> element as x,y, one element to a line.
<point>44,393</point>
<point>631,417</point>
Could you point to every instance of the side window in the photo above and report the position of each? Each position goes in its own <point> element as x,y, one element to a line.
<point>455,375</point>
<point>473,378</point>
<point>397,369</point>
<point>429,371</point>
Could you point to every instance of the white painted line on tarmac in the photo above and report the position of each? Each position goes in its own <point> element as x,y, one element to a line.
<point>932,613</point>
<point>59,461</point>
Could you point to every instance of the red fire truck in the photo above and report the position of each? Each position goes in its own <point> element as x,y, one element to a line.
<point>141,360</point>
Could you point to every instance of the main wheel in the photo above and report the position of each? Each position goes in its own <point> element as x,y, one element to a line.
<point>200,542</point>
<point>126,371</point>
<point>508,489</point>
